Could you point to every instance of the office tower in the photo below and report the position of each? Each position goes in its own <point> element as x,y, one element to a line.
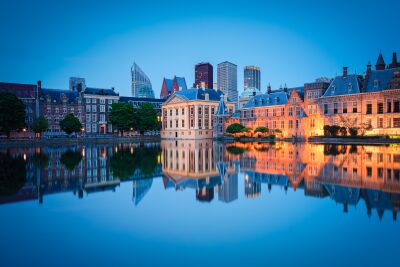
<point>141,85</point>
<point>203,75</point>
<point>252,77</point>
<point>227,80</point>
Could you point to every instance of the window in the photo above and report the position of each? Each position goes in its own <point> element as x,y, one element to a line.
<point>170,124</point>
<point>298,111</point>
<point>369,171</point>
<point>274,112</point>
<point>354,107</point>
<point>110,101</point>
<point>57,109</point>
<point>94,108</point>
<point>380,122</point>
<point>297,124</point>
<point>380,173</point>
<point>290,111</point>
<point>102,117</point>
<point>87,108</point>
<point>94,101</point>
<point>369,108</point>
<point>282,124</point>
<point>102,108</point>
<point>325,108</point>
<point>87,117</point>
<point>344,107</point>
<point>94,128</point>
<point>294,101</point>
<point>396,122</point>
<point>102,101</point>
<point>312,123</point>
<point>94,117</point>
<point>389,123</point>
<point>396,106</point>
<point>176,112</point>
<point>380,107</point>
<point>389,106</point>
<point>290,124</point>
<point>335,108</point>
<point>183,123</point>
<point>183,111</point>
<point>176,124</point>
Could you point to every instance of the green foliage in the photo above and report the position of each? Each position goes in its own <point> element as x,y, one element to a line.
<point>12,174</point>
<point>353,131</point>
<point>272,136</point>
<point>12,113</point>
<point>235,128</point>
<point>70,124</point>
<point>343,131</point>
<point>146,118</point>
<point>234,150</point>
<point>122,116</point>
<point>331,130</point>
<point>71,159</point>
<point>40,125</point>
<point>124,162</point>
<point>245,130</point>
<point>278,131</point>
<point>261,129</point>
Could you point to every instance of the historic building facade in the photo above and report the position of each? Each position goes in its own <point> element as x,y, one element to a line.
<point>188,114</point>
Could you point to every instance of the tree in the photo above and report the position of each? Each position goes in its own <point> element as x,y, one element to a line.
<point>40,125</point>
<point>12,174</point>
<point>235,128</point>
<point>343,131</point>
<point>12,113</point>
<point>70,124</point>
<point>122,116</point>
<point>71,159</point>
<point>261,130</point>
<point>146,118</point>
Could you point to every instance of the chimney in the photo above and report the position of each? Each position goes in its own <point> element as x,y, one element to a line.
<point>285,88</point>
<point>206,96</point>
<point>269,88</point>
<point>39,84</point>
<point>369,67</point>
<point>344,72</point>
<point>112,88</point>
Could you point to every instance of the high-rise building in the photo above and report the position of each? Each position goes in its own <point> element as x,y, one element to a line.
<point>141,85</point>
<point>252,77</point>
<point>203,75</point>
<point>227,80</point>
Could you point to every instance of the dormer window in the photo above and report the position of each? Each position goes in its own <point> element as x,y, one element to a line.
<point>333,89</point>
<point>350,87</point>
<point>262,101</point>
<point>294,101</point>
<point>276,99</point>
<point>255,102</point>
<point>376,83</point>
<point>269,100</point>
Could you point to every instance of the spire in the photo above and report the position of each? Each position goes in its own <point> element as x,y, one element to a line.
<point>369,67</point>
<point>285,88</point>
<point>380,63</point>
<point>221,109</point>
<point>269,90</point>
<point>394,63</point>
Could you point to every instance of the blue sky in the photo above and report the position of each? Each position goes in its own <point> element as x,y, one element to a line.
<point>292,43</point>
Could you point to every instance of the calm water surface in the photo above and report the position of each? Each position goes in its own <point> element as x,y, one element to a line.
<point>199,203</point>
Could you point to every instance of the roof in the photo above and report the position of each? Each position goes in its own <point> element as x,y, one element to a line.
<point>251,91</point>
<point>380,60</point>
<point>221,109</point>
<point>274,98</point>
<point>382,77</point>
<point>344,85</point>
<point>169,83</point>
<point>199,94</point>
<point>181,82</point>
<point>56,95</point>
<point>99,91</point>
<point>19,89</point>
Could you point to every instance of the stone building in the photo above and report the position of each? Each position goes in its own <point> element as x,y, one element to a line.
<point>187,114</point>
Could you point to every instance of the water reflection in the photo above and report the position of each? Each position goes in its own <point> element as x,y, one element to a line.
<point>345,174</point>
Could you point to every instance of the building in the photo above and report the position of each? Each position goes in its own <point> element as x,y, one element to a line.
<point>98,104</point>
<point>247,94</point>
<point>141,85</point>
<point>29,95</point>
<point>203,74</point>
<point>55,104</point>
<point>170,86</point>
<point>252,77</point>
<point>227,80</point>
<point>220,117</point>
<point>187,114</point>
<point>137,101</point>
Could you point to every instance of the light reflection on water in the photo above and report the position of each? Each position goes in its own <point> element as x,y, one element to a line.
<point>201,197</point>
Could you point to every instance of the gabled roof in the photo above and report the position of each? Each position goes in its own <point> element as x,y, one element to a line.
<point>57,94</point>
<point>221,109</point>
<point>181,82</point>
<point>169,83</point>
<point>99,91</point>
<point>378,80</point>
<point>351,84</point>
<point>272,99</point>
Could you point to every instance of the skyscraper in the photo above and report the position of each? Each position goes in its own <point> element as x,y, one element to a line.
<point>227,80</point>
<point>252,77</point>
<point>203,75</point>
<point>141,85</point>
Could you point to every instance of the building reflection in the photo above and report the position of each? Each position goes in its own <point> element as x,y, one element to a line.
<point>345,174</point>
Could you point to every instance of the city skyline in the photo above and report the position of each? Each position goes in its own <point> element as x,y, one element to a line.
<point>288,46</point>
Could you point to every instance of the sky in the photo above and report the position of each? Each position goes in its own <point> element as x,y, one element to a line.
<point>293,42</point>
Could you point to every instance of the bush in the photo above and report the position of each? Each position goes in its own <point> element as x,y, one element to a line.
<point>331,130</point>
<point>343,131</point>
<point>353,131</point>
<point>271,136</point>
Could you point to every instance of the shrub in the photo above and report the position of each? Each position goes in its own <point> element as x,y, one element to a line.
<point>353,131</point>
<point>271,136</point>
<point>343,131</point>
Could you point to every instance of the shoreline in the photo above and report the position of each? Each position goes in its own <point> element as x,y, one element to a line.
<point>76,141</point>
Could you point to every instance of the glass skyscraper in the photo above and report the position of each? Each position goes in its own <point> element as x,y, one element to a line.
<point>141,85</point>
<point>227,80</point>
<point>252,77</point>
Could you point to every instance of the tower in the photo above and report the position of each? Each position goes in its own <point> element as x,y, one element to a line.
<point>380,63</point>
<point>141,85</point>
<point>227,80</point>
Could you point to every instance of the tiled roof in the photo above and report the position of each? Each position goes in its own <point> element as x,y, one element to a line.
<point>169,83</point>
<point>341,85</point>
<point>100,91</point>
<point>199,94</point>
<point>181,82</point>
<point>221,109</point>
<point>274,98</point>
<point>57,94</point>
<point>378,80</point>
<point>251,91</point>
<point>380,60</point>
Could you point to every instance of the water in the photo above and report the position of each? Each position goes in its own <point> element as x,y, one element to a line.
<point>199,203</point>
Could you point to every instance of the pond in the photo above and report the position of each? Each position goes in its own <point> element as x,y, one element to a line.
<point>200,203</point>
